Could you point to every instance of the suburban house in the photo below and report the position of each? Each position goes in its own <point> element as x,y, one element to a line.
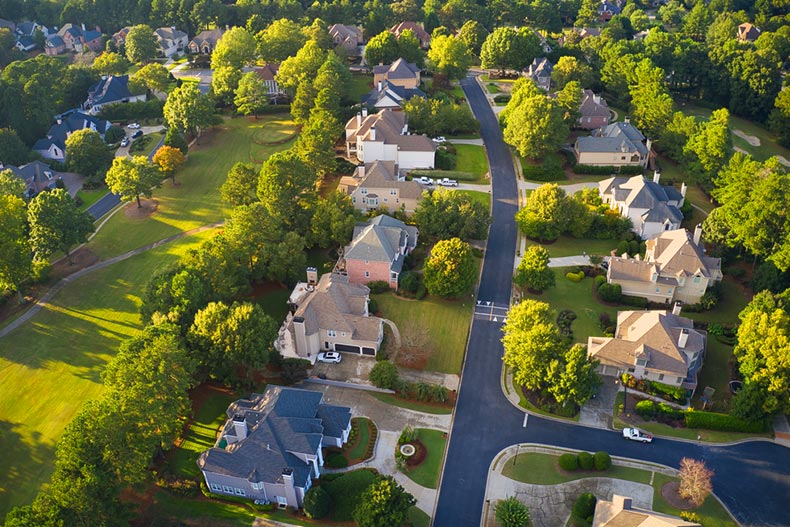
<point>419,32</point>
<point>171,41</point>
<point>654,345</point>
<point>119,37</point>
<point>268,75</point>
<point>748,32</point>
<point>540,72</point>
<point>330,314</point>
<point>388,96</point>
<point>110,90</point>
<point>25,33</point>
<point>53,146</point>
<point>377,251</point>
<point>616,144</point>
<point>79,39</point>
<point>385,136</point>
<point>400,73</point>
<point>36,175</point>
<point>269,449</point>
<point>348,38</point>
<point>620,512</point>
<point>607,10</point>
<point>25,44</point>
<point>54,45</point>
<point>205,41</point>
<point>593,112</point>
<point>7,24</point>
<point>675,269</point>
<point>651,207</point>
<point>378,185</point>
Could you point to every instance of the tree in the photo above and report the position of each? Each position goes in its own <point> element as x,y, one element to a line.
<point>87,154</point>
<point>383,504</point>
<point>473,34</point>
<point>282,39</point>
<point>224,82</point>
<point>154,77</point>
<point>409,48</point>
<point>175,138</point>
<point>381,49</point>
<point>240,186</point>
<point>653,106</point>
<point>531,341</point>
<point>695,482</point>
<point>141,44</point>
<point>780,118</point>
<point>234,50</point>
<point>535,127</point>
<point>545,214</point>
<point>302,67</point>
<point>384,374</point>
<point>131,177</point>
<point>254,234</point>
<point>317,503</point>
<point>251,95</point>
<point>508,48</point>
<point>445,214</point>
<point>288,259</point>
<point>569,99</point>
<point>110,64</point>
<point>574,377</point>
<point>568,69</point>
<point>169,160</point>
<point>174,294</point>
<point>12,150</point>
<point>57,224</point>
<point>15,261</point>
<point>510,512</point>
<point>11,185</point>
<point>451,270</point>
<point>286,187</point>
<point>533,271</point>
<point>188,110</point>
<point>450,57</point>
<point>333,220</point>
<point>588,13</point>
<point>710,147</point>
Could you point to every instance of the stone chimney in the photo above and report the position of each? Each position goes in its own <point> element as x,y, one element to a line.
<point>676,309</point>
<point>300,337</point>
<point>656,176</point>
<point>683,338</point>
<point>621,503</point>
<point>312,275</point>
<point>240,426</point>
<point>697,234</point>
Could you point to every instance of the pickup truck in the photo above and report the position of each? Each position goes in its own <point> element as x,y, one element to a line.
<point>634,434</point>
<point>445,182</point>
<point>424,180</point>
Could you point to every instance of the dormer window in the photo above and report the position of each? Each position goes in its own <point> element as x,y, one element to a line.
<point>641,362</point>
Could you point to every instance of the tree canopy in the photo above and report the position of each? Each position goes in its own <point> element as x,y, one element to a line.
<point>131,177</point>
<point>141,44</point>
<point>451,270</point>
<point>57,224</point>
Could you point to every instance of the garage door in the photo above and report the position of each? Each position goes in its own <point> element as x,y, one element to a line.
<point>369,351</point>
<point>346,348</point>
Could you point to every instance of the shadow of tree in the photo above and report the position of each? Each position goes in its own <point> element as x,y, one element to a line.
<point>25,463</point>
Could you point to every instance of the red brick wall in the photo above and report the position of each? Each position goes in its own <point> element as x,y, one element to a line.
<point>356,271</point>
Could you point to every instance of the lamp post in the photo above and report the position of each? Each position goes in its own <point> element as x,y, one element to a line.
<point>518,446</point>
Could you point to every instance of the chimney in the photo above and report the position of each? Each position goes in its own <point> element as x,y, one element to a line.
<point>372,133</point>
<point>361,171</point>
<point>621,503</point>
<point>364,112</point>
<point>240,426</point>
<point>83,26</point>
<point>626,119</point>
<point>637,257</point>
<point>656,176</point>
<point>683,338</point>
<point>359,120</point>
<point>676,309</point>
<point>697,234</point>
<point>312,275</point>
<point>300,337</point>
<point>379,85</point>
<point>683,189</point>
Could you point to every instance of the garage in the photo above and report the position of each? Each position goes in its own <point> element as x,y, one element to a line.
<point>347,348</point>
<point>369,351</point>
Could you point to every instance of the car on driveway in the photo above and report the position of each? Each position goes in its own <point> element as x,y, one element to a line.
<point>331,357</point>
<point>445,182</point>
<point>424,180</point>
<point>125,141</point>
<point>440,139</point>
<point>137,134</point>
<point>133,126</point>
<point>634,434</point>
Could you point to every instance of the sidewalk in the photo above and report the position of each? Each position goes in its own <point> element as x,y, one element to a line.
<point>781,430</point>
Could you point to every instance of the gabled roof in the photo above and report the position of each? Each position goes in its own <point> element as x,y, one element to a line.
<point>383,175</point>
<point>268,71</point>
<point>26,29</point>
<point>676,254</point>
<point>540,67</point>
<point>169,33</point>
<point>640,193</point>
<point>748,32</point>
<point>380,239</point>
<point>69,124</point>
<point>26,42</point>
<point>91,34</point>
<point>34,174</point>
<point>211,36</point>
<point>281,422</point>
<point>55,41</point>
<point>352,34</point>
<point>398,94</point>
<point>120,35</point>
<point>614,137</point>
<point>72,29</point>
<point>620,513</point>
<point>108,90</point>
<point>400,69</point>
<point>608,7</point>
<point>418,30</point>
<point>390,128</point>
<point>593,105</point>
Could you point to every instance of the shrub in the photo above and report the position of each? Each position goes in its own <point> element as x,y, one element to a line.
<point>646,409</point>
<point>294,370</point>
<point>438,393</point>
<point>635,301</point>
<point>600,279</point>
<point>421,292</point>
<point>584,508</point>
<point>336,460</point>
<point>133,110</point>
<point>384,375</point>
<point>610,292</point>
<point>378,286</point>
<point>407,435</point>
<point>666,391</point>
<point>409,282</point>
<point>317,503</point>
<point>114,134</point>
<point>445,160</point>
<point>723,422</point>
<point>575,277</point>
<point>550,169</point>
<point>373,307</point>
<point>502,98</point>
<point>585,461</point>
<point>605,322</point>
<point>709,299</point>
<point>602,460</point>
<point>691,517</point>
<point>568,462</point>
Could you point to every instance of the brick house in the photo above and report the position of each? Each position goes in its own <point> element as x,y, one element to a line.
<point>400,73</point>
<point>419,32</point>
<point>593,112</point>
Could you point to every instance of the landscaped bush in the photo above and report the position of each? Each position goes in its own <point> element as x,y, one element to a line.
<point>502,98</point>
<point>583,510</point>
<point>550,169</point>
<point>336,460</point>
<point>646,409</point>
<point>709,300</point>
<point>610,292</point>
<point>564,321</point>
<point>407,435</point>
<point>378,286</point>
<point>346,491</point>
<point>294,370</point>
<point>373,307</point>
<point>445,160</point>
<point>575,277</point>
<point>134,110</point>
<point>723,422</point>
<point>665,391</point>
<point>317,503</point>
<point>590,170</point>
<point>635,301</point>
<point>421,292</point>
<point>602,460</point>
<point>586,461</point>
<point>384,375</point>
<point>605,322</point>
<point>568,462</point>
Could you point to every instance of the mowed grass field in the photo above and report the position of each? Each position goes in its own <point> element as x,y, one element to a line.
<point>50,366</point>
<point>195,200</point>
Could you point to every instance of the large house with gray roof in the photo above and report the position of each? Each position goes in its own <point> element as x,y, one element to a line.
<point>377,251</point>
<point>388,96</point>
<point>269,449</point>
<point>53,146</point>
<point>206,41</point>
<point>400,73</point>
<point>377,185</point>
<point>540,72</point>
<point>651,207</point>
<point>385,137</point>
<point>36,175</point>
<point>615,145</point>
<point>593,111</point>
<point>675,269</point>
<point>170,41</point>
<point>653,345</point>
<point>348,38</point>
<point>110,90</point>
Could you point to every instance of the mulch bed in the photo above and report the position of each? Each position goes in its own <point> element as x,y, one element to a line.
<point>149,206</point>
<point>670,493</point>
<point>419,454</point>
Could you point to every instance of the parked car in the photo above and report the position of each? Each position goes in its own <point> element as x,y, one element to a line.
<point>125,141</point>
<point>331,357</point>
<point>137,134</point>
<point>440,139</point>
<point>424,180</point>
<point>134,126</point>
<point>445,182</point>
<point>634,434</point>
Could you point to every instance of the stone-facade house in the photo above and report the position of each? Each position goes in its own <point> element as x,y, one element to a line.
<point>269,449</point>
<point>347,38</point>
<point>205,41</point>
<point>675,269</point>
<point>748,32</point>
<point>330,314</point>
<point>400,73</point>
<point>385,137</point>
<point>171,41</point>
<point>540,72</point>
<point>377,185</point>
<point>658,346</point>
<point>651,207</point>
<point>54,45</point>
<point>617,144</point>
<point>53,146</point>
<point>377,251</point>
<point>113,89</point>
<point>621,512</point>
<point>419,32</point>
<point>593,112</point>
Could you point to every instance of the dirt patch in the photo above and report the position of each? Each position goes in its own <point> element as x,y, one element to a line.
<point>148,207</point>
<point>670,493</point>
<point>414,351</point>
<point>81,258</point>
<point>752,140</point>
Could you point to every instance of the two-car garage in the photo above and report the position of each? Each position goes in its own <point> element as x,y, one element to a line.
<point>358,350</point>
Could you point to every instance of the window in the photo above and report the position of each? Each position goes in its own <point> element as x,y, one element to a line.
<point>331,333</point>
<point>393,192</point>
<point>227,489</point>
<point>342,333</point>
<point>216,488</point>
<point>658,289</point>
<point>367,274</point>
<point>257,486</point>
<point>641,362</point>
<point>363,191</point>
<point>366,262</point>
<point>385,200</point>
<point>354,200</point>
<point>696,279</point>
<point>660,376</point>
<point>680,380</point>
<point>622,158</point>
<point>239,492</point>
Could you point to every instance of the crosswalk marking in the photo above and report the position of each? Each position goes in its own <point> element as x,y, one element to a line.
<point>487,310</point>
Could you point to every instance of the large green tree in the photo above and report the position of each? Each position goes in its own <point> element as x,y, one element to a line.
<point>302,67</point>
<point>11,185</point>
<point>141,44</point>
<point>381,49</point>
<point>574,377</point>
<point>451,270</point>
<point>545,215</point>
<point>188,110</point>
<point>109,63</point>
<point>235,49</point>
<point>57,224</point>
<point>531,341</point>
<point>533,271</point>
<point>251,95</point>
<point>568,69</point>
<point>154,77</point>
<point>87,154</point>
<point>652,104</point>
<point>287,187</point>
<point>473,34</point>
<point>129,178</point>
<point>240,186</point>
<point>446,214</point>
<point>15,260</point>
<point>535,127</point>
<point>710,147</point>
<point>12,150</point>
<point>280,40</point>
<point>333,220</point>
<point>383,504</point>
<point>450,57</point>
<point>507,48</point>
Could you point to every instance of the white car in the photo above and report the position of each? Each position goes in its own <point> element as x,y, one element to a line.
<point>424,180</point>
<point>440,139</point>
<point>634,434</point>
<point>133,126</point>
<point>331,357</point>
<point>445,182</point>
<point>125,141</point>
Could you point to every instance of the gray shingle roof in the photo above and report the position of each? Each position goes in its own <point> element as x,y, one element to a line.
<point>111,89</point>
<point>398,93</point>
<point>615,137</point>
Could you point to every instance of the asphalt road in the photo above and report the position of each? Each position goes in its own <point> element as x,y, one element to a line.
<point>752,479</point>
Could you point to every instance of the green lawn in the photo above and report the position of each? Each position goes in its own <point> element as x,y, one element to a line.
<point>417,518</point>
<point>89,197</point>
<point>195,200</point>
<point>412,405</point>
<point>716,374</point>
<point>360,85</point>
<point>52,364</point>
<point>476,195</point>
<point>493,88</point>
<point>568,246</point>
<point>202,435</point>
<point>438,326</point>
<point>711,512</point>
<point>733,300</point>
<point>472,158</point>
<point>427,472</point>
<point>361,448</point>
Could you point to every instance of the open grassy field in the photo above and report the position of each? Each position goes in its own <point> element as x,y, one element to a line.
<point>472,158</point>
<point>53,364</point>
<point>360,85</point>
<point>195,200</point>
<point>439,327</point>
<point>427,472</point>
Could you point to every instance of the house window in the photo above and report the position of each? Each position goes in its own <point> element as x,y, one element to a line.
<point>239,492</point>
<point>660,376</point>
<point>363,191</point>
<point>257,486</point>
<point>622,158</point>
<point>216,488</point>
<point>641,362</point>
<point>696,279</point>
<point>331,333</point>
<point>680,380</point>
<point>366,262</point>
<point>385,200</point>
<point>393,192</point>
<point>367,274</point>
<point>354,200</point>
<point>342,333</point>
<point>658,289</point>
<point>227,489</point>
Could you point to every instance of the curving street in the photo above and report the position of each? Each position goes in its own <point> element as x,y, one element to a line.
<point>752,478</point>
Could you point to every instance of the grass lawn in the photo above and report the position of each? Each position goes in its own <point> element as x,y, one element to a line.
<point>568,246</point>
<point>201,436</point>
<point>195,200</point>
<point>493,88</point>
<point>476,195</point>
<point>733,300</point>
<point>360,85</point>
<point>427,472</point>
<point>346,491</point>
<point>365,427</point>
<point>412,405</point>
<point>52,364</point>
<point>472,158</point>
<point>89,197</point>
<point>716,374</point>
<point>671,170</point>
<point>439,327</point>
<point>417,518</point>
<point>711,512</point>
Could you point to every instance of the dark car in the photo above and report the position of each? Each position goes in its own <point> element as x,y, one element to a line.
<point>137,134</point>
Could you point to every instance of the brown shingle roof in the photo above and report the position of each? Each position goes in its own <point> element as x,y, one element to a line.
<point>390,127</point>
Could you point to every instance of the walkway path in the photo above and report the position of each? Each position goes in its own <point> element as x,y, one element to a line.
<point>46,297</point>
<point>478,142</point>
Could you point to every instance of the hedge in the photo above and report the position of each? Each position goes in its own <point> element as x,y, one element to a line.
<point>586,461</point>
<point>590,170</point>
<point>603,461</point>
<point>635,301</point>
<point>568,462</point>
<point>575,277</point>
<point>336,460</point>
<point>134,110</point>
<point>723,422</point>
<point>610,292</point>
<point>439,174</point>
<point>583,509</point>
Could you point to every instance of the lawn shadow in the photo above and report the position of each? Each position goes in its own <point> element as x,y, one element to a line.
<point>26,463</point>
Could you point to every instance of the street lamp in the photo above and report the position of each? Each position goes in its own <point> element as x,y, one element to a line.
<point>518,446</point>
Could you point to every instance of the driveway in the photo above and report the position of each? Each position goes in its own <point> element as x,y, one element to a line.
<point>598,412</point>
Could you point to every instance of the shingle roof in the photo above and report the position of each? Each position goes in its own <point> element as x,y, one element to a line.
<point>169,33</point>
<point>268,71</point>
<point>69,124</point>
<point>677,254</point>
<point>418,30</point>
<point>111,89</point>
<point>211,36</point>
<point>347,33</point>
<point>540,67</point>
<point>614,137</point>
<point>640,193</point>
<point>381,174</point>
<point>389,127</point>
<point>593,105</point>
<point>398,94</point>
<point>55,41</point>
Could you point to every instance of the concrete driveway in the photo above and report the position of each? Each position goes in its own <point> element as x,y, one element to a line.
<point>352,368</point>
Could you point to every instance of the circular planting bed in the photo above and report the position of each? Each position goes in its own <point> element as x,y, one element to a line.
<point>408,450</point>
<point>419,454</point>
<point>670,493</point>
